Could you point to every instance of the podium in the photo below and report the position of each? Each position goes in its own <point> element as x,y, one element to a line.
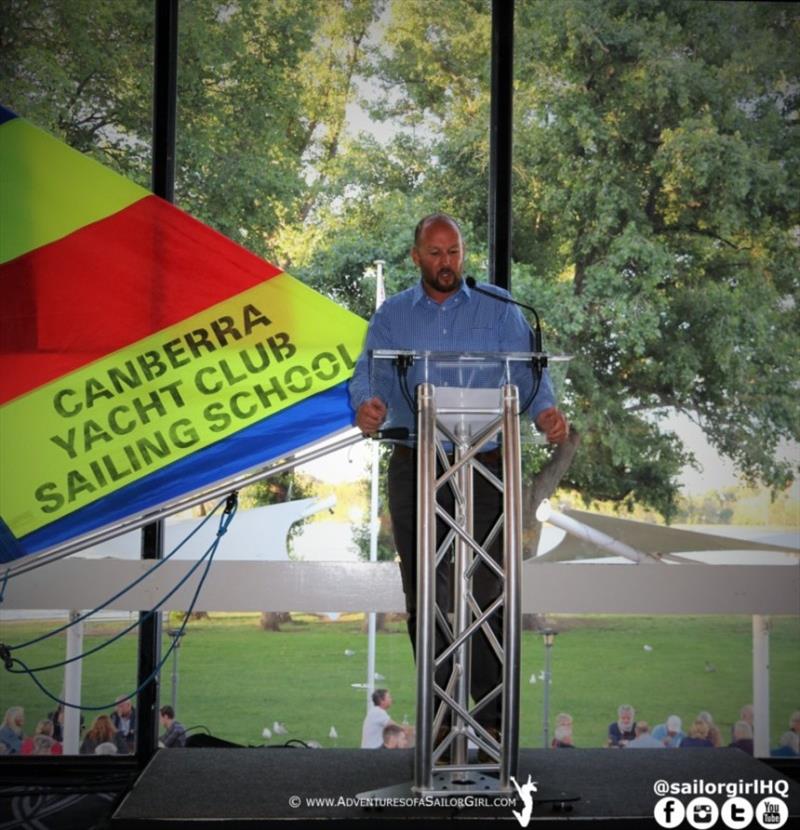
<point>465,404</point>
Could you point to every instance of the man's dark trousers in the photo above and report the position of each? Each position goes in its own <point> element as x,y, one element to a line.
<point>487,506</point>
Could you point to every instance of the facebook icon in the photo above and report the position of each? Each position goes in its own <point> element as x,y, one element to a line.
<point>669,812</point>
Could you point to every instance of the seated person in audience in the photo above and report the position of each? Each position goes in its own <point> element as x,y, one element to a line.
<point>56,717</point>
<point>788,746</point>
<point>698,736</point>
<point>624,727</point>
<point>643,739</point>
<point>670,733</point>
<point>794,722</point>
<point>562,719</point>
<point>43,729</point>
<point>44,745</point>
<point>714,734</point>
<point>743,736</point>
<point>12,730</point>
<point>394,737</point>
<point>102,731</point>
<point>174,732</point>
<point>746,714</point>
<point>124,719</point>
<point>562,739</point>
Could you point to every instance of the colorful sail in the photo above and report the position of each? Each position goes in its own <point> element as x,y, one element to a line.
<point>142,354</point>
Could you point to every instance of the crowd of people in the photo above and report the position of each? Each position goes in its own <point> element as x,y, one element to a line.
<point>108,734</point>
<point>380,731</point>
<point>628,733</point>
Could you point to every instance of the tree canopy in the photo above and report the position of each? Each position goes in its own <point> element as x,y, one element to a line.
<point>655,180</point>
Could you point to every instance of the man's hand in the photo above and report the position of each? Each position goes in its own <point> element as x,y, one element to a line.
<point>371,414</point>
<point>553,424</point>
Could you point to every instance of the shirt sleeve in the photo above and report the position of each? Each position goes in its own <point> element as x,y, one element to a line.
<point>373,378</point>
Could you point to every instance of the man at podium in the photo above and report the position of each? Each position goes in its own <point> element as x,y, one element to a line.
<point>442,314</point>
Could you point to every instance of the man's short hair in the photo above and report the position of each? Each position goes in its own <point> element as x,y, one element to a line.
<point>167,712</point>
<point>392,730</point>
<point>378,695</point>
<point>434,217</point>
<point>625,707</point>
<point>642,727</point>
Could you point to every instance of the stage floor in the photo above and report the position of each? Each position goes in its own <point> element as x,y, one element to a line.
<point>237,787</point>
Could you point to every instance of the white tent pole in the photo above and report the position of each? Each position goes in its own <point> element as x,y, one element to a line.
<point>761,626</point>
<point>373,513</point>
<point>72,686</point>
<point>545,513</point>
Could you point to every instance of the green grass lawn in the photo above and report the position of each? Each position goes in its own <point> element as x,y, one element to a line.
<point>235,679</point>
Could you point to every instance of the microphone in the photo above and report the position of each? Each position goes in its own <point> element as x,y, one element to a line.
<point>537,332</point>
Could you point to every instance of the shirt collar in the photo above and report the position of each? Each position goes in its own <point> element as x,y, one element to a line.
<point>420,294</point>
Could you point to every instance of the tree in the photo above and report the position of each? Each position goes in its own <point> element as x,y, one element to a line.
<point>262,93</point>
<point>76,70</point>
<point>655,195</point>
<point>655,205</point>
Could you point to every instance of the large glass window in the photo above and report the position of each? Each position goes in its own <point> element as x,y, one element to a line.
<point>652,229</point>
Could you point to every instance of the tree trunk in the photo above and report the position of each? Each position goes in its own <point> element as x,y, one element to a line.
<point>380,621</point>
<point>271,620</point>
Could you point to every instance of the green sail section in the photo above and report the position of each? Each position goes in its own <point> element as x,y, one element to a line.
<point>48,190</point>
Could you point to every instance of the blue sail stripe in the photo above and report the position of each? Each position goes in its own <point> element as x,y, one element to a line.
<point>270,438</point>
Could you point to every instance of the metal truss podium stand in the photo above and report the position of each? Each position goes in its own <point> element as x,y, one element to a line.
<point>465,404</point>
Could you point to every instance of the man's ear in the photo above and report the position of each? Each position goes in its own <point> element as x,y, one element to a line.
<point>415,255</point>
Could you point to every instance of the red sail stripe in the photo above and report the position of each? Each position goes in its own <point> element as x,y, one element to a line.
<point>110,284</point>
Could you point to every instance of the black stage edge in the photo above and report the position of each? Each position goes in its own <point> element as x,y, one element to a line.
<point>233,788</point>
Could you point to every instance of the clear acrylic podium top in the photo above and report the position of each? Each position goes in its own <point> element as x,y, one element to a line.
<point>468,384</point>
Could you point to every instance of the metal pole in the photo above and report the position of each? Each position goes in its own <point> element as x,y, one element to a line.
<point>165,95</point>
<point>512,555</point>
<point>592,536</point>
<point>373,557</point>
<point>175,634</point>
<point>72,686</point>
<point>149,656</point>
<point>546,703</point>
<point>500,142</point>
<point>175,676</point>
<point>761,627</point>
<point>163,182</point>
<point>374,526</point>
<point>426,583</point>
<point>462,561</point>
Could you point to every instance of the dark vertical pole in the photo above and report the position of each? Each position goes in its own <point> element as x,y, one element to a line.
<point>163,179</point>
<point>500,142</point>
<point>165,93</point>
